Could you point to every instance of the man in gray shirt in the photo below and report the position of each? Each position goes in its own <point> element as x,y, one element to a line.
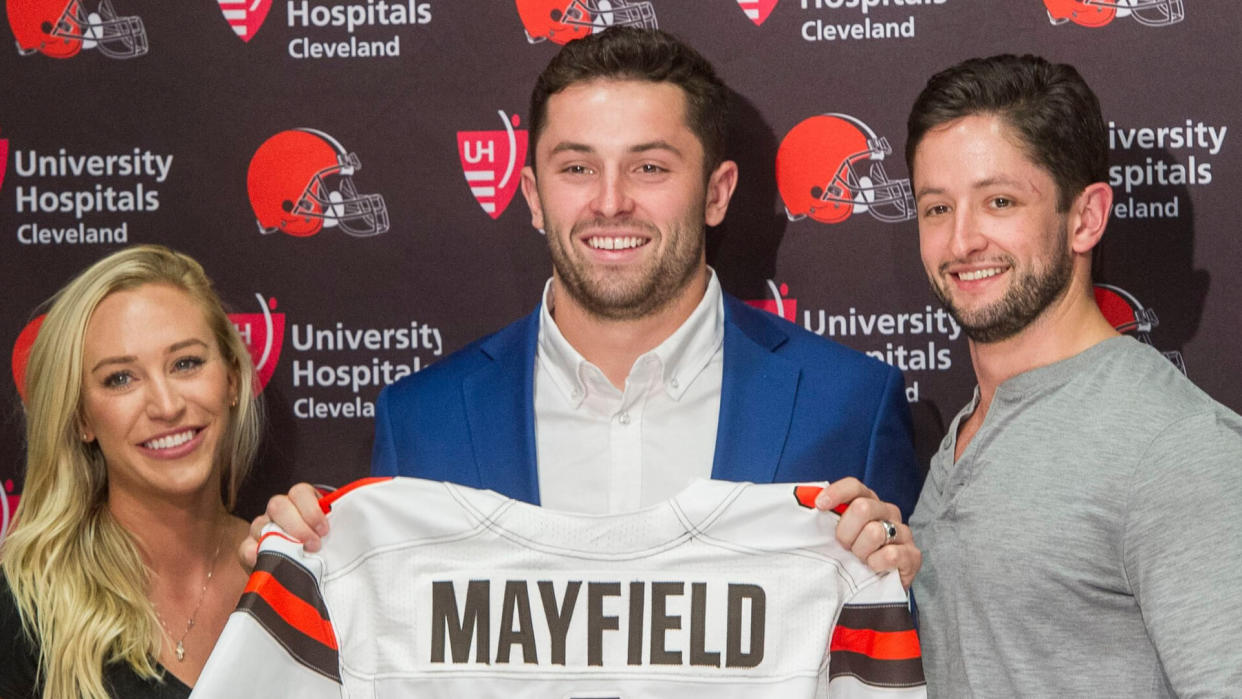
<point>1077,520</point>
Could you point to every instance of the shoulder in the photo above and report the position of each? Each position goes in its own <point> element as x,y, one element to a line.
<point>515,339</point>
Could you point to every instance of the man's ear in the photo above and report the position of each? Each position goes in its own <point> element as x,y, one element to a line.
<point>1088,216</point>
<point>720,188</point>
<point>530,190</point>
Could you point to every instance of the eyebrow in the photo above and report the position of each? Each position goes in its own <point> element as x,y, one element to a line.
<point>980,184</point>
<point>572,147</point>
<point>126,359</point>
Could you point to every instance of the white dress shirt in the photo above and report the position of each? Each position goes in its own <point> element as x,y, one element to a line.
<point>603,451</point>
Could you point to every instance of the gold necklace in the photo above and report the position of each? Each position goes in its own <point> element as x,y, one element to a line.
<point>189,624</point>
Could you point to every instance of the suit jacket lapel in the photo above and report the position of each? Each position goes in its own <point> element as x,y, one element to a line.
<point>756,397</point>
<point>500,408</point>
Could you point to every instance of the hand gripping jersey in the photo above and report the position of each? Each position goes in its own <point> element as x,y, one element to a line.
<point>428,589</point>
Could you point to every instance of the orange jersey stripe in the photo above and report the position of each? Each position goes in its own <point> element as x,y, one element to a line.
<point>293,609</point>
<point>325,502</point>
<point>882,645</point>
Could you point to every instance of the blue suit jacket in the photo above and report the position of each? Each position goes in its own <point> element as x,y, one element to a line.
<point>793,407</point>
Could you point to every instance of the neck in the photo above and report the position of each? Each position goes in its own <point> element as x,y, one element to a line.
<point>613,345</point>
<point>1070,325</point>
<point>166,531</point>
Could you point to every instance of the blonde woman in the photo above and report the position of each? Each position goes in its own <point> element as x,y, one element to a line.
<point>119,573</point>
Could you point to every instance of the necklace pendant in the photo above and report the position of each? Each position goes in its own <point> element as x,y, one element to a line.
<point>180,651</point>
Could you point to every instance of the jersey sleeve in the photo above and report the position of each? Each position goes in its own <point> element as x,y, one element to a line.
<point>874,651</point>
<point>279,641</point>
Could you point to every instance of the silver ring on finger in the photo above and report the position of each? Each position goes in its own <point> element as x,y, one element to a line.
<point>890,531</point>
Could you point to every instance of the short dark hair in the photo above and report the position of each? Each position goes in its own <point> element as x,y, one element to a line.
<point>1049,106</point>
<point>631,53</point>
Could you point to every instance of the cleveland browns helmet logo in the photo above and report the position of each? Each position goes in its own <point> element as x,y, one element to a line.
<point>300,181</point>
<point>63,28</point>
<point>562,21</point>
<point>831,166</point>
<point>1127,315</point>
<point>1097,13</point>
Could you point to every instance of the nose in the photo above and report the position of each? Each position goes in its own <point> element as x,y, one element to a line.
<point>612,198</point>
<point>967,238</point>
<point>164,400</point>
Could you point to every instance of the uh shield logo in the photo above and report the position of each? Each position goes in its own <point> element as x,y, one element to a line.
<point>780,304</point>
<point>245,16</point>
<point>831,166</point>
<point>757,11</point>
<point>1097,13</point>
<point>491,160</point>
<point>64,28</point>
<point>263,333</point>
<point>1127,315</point>
<point>562,21</point>
<point>300,182</point>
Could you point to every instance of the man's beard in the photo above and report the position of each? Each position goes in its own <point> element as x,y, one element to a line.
<point>1023,301</point>
<point>630,296</point>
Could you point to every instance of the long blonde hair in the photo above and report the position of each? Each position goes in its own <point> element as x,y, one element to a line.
<point>78,578</point>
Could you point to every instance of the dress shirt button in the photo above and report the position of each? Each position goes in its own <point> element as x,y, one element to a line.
<point>674,383</point>
<point>576,393</point>
<point>624,418</point>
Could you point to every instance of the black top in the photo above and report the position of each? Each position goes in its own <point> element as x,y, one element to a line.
<point>19,662</point>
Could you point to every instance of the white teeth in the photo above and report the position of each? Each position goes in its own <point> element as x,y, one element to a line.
<point>170,441</point>
<point>979,274</point>
<point>618,243</point>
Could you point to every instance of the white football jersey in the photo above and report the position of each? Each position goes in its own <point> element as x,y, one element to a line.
<point>429,589</point>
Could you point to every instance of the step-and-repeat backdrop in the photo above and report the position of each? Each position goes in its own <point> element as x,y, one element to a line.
<point>190,123</point>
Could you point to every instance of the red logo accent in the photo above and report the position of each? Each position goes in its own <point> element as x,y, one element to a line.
<point>245,16</point>
<point>4,159</point>
<point>21,353</point>
<point>757,10</point>
<point>8,506</point>
<point>492,161</point>
<point>779,304</point>
<point>263,333</point>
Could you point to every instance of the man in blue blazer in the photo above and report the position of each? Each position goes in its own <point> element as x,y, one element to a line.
<point>636,373</point>
<point>793,407</point>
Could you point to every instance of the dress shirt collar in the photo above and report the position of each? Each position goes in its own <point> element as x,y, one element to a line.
<point>681,357</point>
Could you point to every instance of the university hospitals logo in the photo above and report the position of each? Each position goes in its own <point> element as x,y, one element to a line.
<point>64,28</point>
<point>1127,315</point>
<point>245,16</point>
<point>263,333</point>
<point>562,21</point>
<point>1097,13</point>
<point>831,166</point>
<point>780,304</point>
<point>300,181</point>
<point>491,160</point>
<point>757,11</point>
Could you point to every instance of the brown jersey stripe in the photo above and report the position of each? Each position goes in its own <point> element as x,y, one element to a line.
<point>893,616</point>
<point>877,673</point>
<point>293,577</point>
<point>293,609</point>
<point>305,650</point>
